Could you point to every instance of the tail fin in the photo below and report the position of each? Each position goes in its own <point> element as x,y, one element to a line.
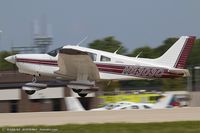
<point>164,102</point>
<point>176,56</point>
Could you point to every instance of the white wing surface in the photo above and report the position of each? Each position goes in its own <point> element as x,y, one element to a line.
<point>77,65</point>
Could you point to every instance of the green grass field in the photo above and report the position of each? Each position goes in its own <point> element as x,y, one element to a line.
<point>167,127</point>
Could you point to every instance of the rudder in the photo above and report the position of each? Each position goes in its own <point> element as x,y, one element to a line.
<point>176,56</point>
<point>181,61</point>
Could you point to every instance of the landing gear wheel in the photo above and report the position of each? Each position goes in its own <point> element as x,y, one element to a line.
<point>30,92</point>
<point>77,90</point>
<point>82,94</point>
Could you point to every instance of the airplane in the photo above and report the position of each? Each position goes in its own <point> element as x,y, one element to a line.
<point>124,105</point>
<point>73,104</point>
<point>82,67</point>
<point>164,102</point>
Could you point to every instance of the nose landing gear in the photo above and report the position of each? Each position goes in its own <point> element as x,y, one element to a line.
<point>34,79</point>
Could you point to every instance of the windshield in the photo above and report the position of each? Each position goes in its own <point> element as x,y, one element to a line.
<point>93,56</point>
<point>54,52</point>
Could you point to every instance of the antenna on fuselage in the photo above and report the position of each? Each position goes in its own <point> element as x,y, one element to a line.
<point>139,54</point>
<point>117,50</point>
<point>82,41</point>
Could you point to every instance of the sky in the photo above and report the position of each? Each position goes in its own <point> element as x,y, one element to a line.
<point>135,23</point>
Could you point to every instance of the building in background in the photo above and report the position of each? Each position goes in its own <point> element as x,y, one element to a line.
<point>42,35</point>
<point>42,38</point>
<point>14,99</point>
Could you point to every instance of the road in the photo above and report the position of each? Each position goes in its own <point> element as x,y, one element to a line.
<point>85,117</point>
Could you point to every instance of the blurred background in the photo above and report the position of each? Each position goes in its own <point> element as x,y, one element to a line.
<point>143,28</point>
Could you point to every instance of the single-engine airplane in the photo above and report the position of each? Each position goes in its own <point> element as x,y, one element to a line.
<point>82,67</point>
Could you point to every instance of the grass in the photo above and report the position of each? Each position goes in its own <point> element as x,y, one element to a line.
<point>167,127</point>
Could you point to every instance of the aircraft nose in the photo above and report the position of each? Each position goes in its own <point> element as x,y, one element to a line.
<point>11,59</point>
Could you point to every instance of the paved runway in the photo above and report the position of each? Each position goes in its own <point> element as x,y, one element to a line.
<point>128,116</point>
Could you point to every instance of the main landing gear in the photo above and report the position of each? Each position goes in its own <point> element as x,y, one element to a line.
<point>30,92</point>
<point>82,94</point>
<point>29,87</point>
<point>78,91</point>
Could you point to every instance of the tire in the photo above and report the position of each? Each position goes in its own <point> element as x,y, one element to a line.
<point>82,94</point>
<point>77,90</point>
<point>30,92</point>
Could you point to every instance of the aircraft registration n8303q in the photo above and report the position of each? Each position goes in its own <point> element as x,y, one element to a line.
<point>82,67</point>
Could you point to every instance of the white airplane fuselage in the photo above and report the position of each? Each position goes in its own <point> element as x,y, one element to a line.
<point>119,66</point>
<point>83,66</point>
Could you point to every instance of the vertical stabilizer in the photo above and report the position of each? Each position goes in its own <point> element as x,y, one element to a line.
<point>164,102</point>
<point>176,56</point>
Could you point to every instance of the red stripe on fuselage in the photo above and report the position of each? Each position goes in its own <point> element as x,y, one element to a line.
<point>108,68</point>
<point>36,61</point>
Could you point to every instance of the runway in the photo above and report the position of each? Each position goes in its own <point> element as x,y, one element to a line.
<point>85,117</point>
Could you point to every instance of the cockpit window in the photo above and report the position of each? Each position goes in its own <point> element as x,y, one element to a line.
<point>93,56</point>
<point>54,52</point>
<point>104,58</point>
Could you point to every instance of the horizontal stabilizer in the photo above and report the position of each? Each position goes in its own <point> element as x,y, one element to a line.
<point>185,72</point>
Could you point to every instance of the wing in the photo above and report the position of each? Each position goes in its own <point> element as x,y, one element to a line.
<point>76,65</point>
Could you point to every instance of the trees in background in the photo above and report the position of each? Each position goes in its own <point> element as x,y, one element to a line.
<point>148,52</point>
<point>194,57</point>
<point>109,44</point>
<point>4,65</point>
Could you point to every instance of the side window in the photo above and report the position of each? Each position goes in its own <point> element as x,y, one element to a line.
<point>93,56</point>
<point>104,58</point>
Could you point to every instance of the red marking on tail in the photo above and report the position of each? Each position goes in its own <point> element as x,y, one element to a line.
<point>181,61</point>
